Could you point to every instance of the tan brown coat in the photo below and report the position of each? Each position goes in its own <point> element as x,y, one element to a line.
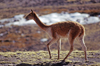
<point>67,29</point>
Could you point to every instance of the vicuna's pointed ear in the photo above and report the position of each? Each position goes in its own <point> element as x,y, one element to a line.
<point>31,10</point>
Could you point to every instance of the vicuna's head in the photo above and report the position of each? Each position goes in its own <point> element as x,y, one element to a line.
<point>31,15</point>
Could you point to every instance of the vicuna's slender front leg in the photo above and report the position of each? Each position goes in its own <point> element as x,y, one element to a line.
<point>48,46</point>
<point>59,47</point>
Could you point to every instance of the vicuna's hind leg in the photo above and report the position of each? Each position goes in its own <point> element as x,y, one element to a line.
<point>71,49</point>
<point>72,35</point>
<point>83,46</point>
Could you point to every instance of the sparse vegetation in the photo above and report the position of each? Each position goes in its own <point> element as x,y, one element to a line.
<point>41,58</point>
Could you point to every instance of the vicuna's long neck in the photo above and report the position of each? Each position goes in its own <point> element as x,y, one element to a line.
<point>40,24</point>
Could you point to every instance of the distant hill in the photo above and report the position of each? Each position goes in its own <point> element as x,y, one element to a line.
<point>42,3</point>
<point>9,8</point>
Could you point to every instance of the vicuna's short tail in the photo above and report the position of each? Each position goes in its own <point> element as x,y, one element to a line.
<point>82,31</point>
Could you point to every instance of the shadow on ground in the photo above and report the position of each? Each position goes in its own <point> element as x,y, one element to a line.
<point>24,64</point>
<point>44,64</point>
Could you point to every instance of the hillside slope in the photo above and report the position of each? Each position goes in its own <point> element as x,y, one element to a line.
<point>29,38</point>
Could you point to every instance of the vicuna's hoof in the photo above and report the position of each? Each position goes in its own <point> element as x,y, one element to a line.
<point>62,61</point>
